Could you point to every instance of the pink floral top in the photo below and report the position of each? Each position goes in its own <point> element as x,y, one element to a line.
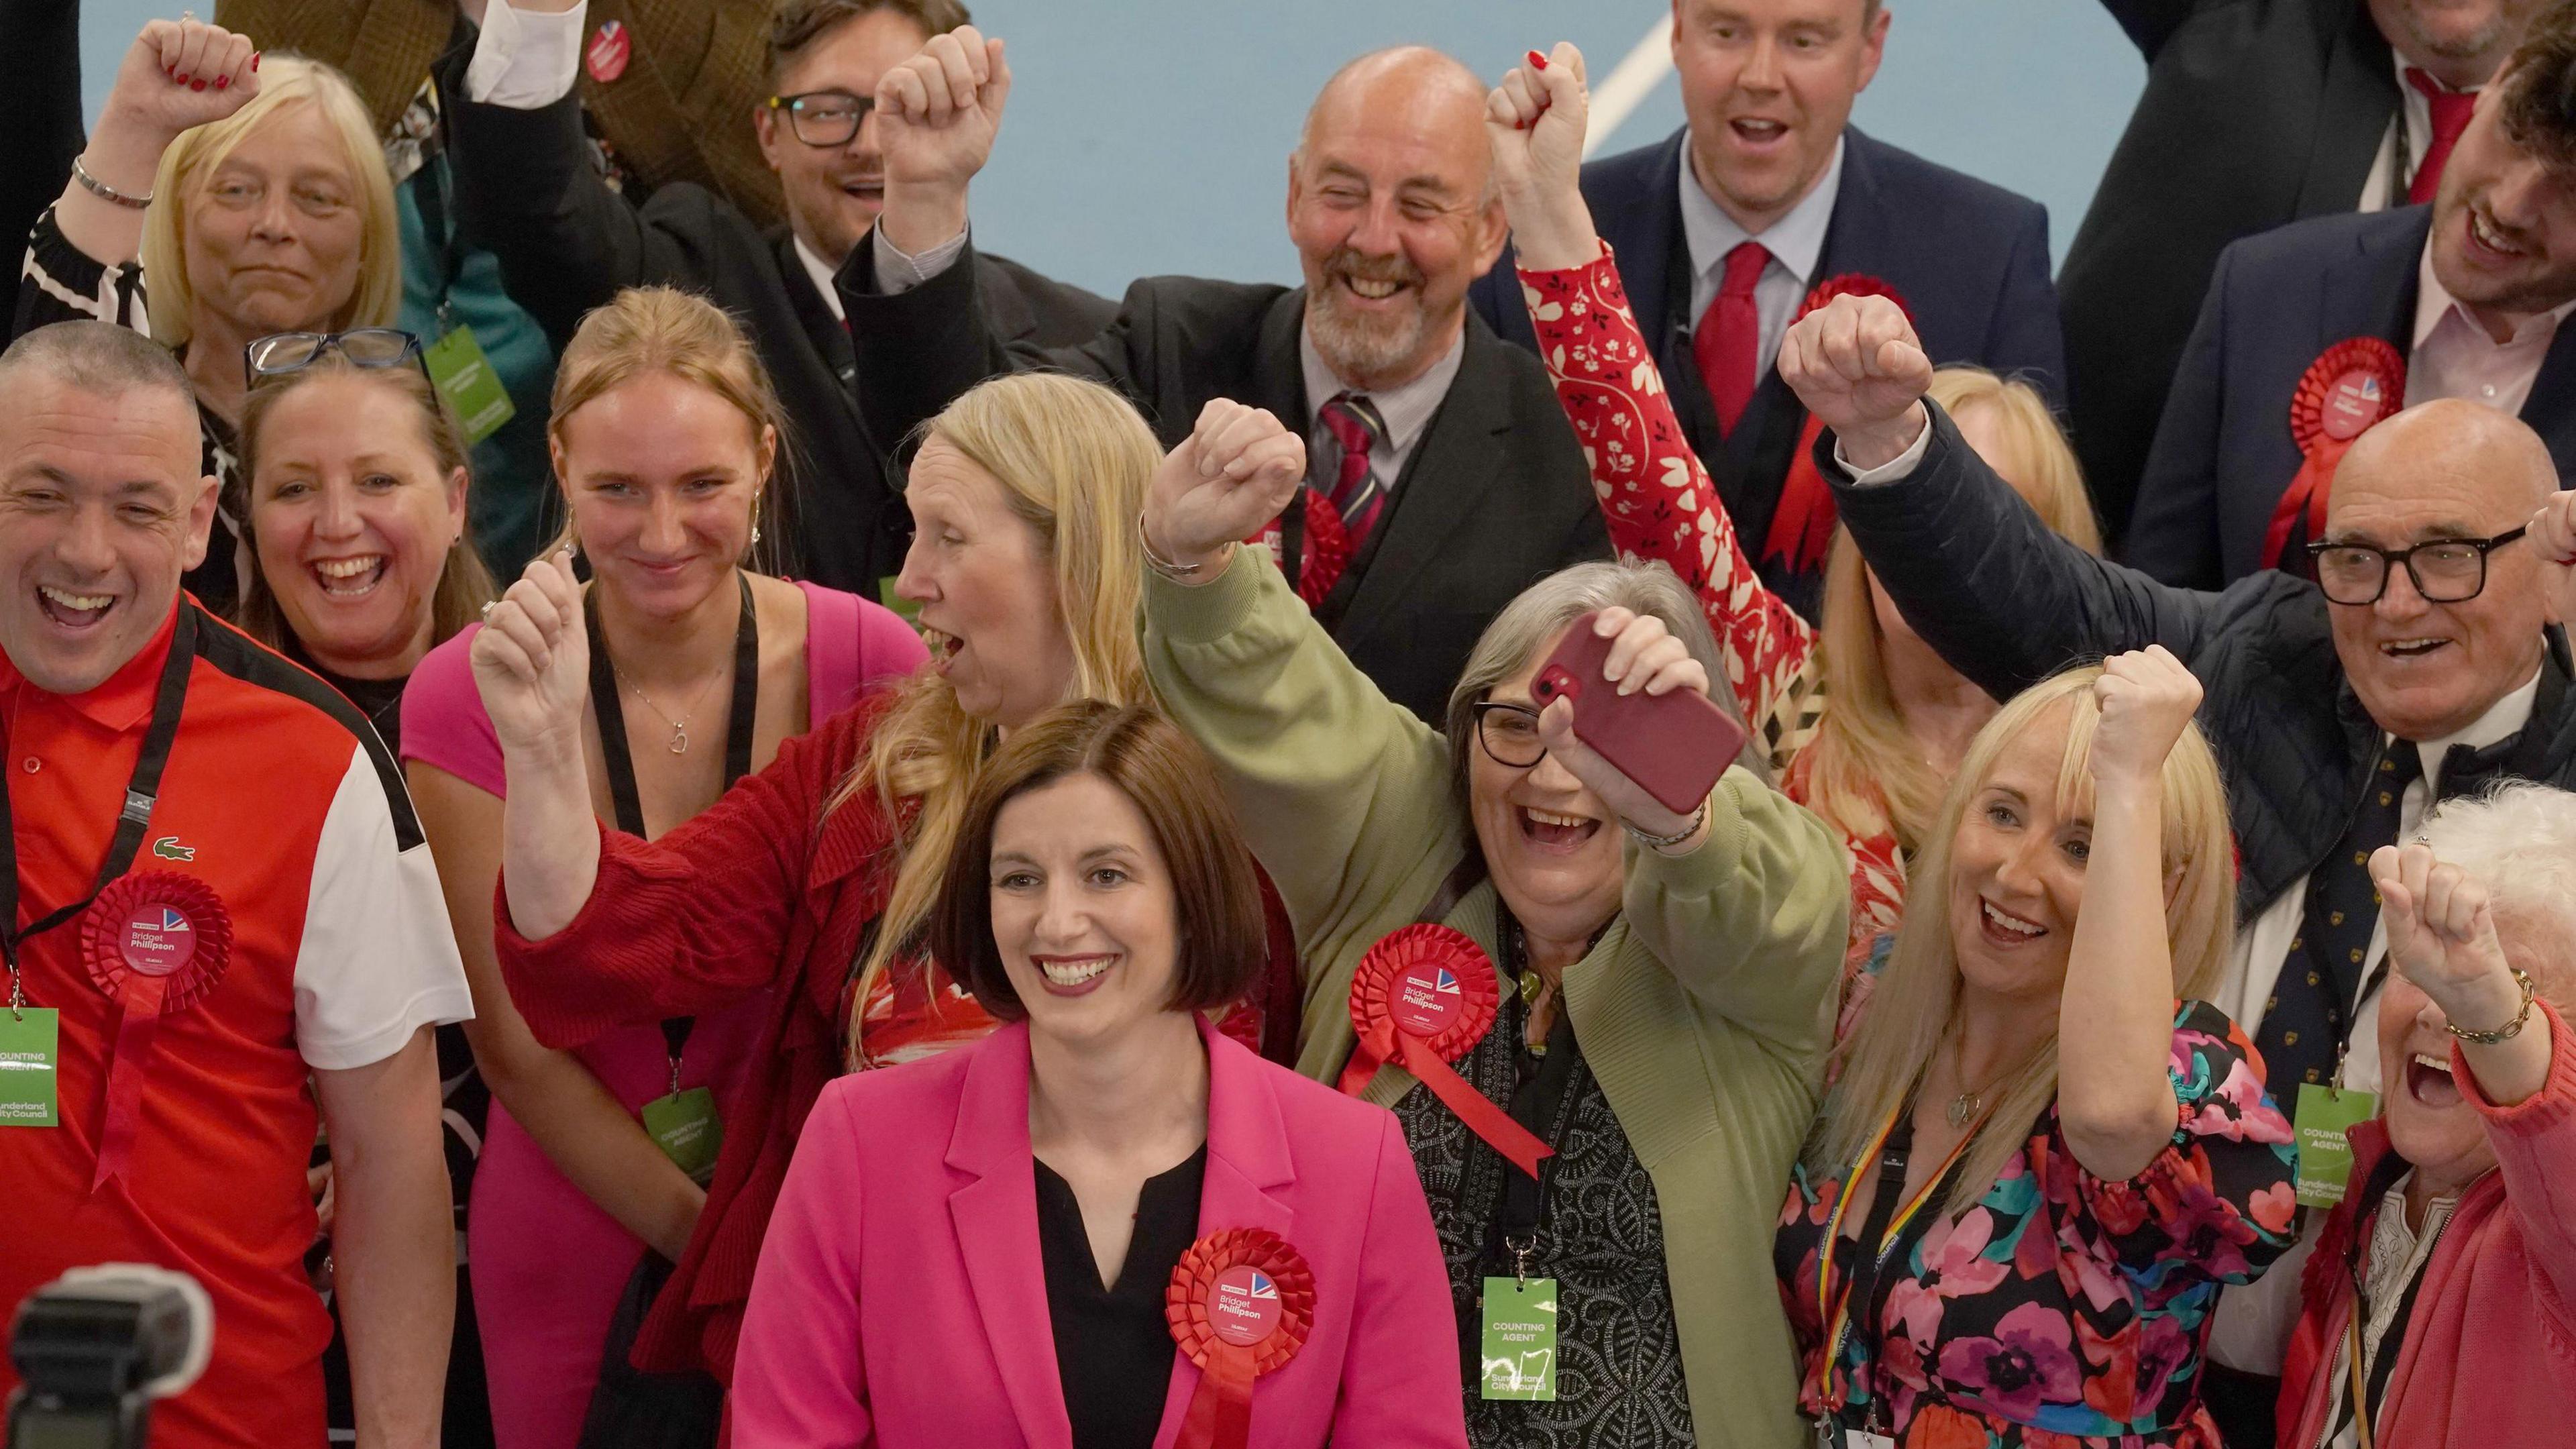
<point>2062,1310</point>
<point>1661,507</point>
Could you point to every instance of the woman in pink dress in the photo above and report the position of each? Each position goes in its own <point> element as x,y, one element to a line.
<point>665,435</point>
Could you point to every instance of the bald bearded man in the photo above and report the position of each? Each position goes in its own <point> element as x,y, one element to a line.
<point>1442,476</point>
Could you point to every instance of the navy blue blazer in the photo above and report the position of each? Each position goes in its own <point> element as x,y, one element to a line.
<point>1970,260</point>
<point>2223,454</point>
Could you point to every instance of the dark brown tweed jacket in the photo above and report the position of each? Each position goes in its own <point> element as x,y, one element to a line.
<point>681,112</point>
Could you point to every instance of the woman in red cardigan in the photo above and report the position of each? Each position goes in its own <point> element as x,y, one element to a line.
<point>813,878</point>
<point>2441,1297</point>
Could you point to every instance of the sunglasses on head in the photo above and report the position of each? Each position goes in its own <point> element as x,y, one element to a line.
<point>283,352</point>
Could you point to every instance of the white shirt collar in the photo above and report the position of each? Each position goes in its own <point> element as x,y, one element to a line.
<point>1405,408</point>
<point>822,272</point>
<point>1795,241</point>
<point>2504,718</point>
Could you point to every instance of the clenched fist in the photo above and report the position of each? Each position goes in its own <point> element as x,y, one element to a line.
<point>1860,370</point>
<point>1236,471</point>
<point>937,115</point>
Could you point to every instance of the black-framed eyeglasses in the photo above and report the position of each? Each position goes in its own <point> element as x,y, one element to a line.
<point>2444,570</point>
<point>1509,733</point>
<point>824,118</point>
<point>280,353</point>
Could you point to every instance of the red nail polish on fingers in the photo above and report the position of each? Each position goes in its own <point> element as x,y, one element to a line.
<point>222,81</point>
<point>254,62</point>
<point>1537,61</point>
<point>196,85</point>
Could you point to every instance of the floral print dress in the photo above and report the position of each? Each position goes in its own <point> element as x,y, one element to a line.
<point>2062,1310</point>
<point>1661,507</point>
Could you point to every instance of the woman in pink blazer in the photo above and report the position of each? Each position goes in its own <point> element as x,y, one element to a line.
<point>1041,1239</point>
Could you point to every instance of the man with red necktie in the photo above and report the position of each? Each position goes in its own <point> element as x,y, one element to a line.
<point>1768,200</point>
<point>2254,116</point>
<point>2460,298</point>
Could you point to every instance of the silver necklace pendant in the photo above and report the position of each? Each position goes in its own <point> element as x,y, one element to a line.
<point>679,739</point>
<point>1961,1108</point>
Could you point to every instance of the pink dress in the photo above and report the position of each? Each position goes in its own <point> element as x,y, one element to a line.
<point>548,1263</point>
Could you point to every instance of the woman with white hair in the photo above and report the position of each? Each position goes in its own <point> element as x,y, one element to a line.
<point>1652,990</point>
<point>2440,1302</point>
<point>255,199</point>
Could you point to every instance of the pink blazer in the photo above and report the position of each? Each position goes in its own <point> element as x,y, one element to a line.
<point>900,1300</point>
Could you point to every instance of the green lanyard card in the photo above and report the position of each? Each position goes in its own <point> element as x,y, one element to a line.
<point>1519,1353</point>
<point>685,1126</point>
<point>29,1040</point>
<point>2325,1154</point>
<point>457,364</point>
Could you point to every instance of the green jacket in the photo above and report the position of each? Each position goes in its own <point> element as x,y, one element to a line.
<point>1705,1010</point>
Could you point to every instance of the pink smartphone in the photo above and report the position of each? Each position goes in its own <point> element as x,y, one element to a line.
<point>1673,745</point>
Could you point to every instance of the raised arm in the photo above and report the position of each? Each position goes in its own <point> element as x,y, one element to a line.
<point>2006,601</point>
<point>1655,494</point>
<point>2115,1012</point>
<point>526,188</point>
<point>1343,795</point>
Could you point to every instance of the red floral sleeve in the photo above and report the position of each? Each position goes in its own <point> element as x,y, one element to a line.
<point>1656,495</point>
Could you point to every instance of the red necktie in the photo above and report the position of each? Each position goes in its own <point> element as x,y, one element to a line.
<point>1728,340</point>
<point>1353,422</point>
<point>2450,117</point>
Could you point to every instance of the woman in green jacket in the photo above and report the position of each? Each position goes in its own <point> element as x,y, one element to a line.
<point>1663,982</point>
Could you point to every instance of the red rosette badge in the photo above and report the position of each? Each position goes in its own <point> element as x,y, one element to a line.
<point>1422,997</point>
<point>1327,547</point>
<point>155,943</point>
<point>1240,1304</point>
<point>1803,523</point>
<point>2349,389</point>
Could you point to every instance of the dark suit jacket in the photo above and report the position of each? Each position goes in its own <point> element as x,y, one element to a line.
<point>2223,454</point>
<point>1494,496</point>
<point>529,194</point>
<point>2256,113</point>
<point>1970,260</point>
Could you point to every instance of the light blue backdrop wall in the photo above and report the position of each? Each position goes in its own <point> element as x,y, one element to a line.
<point>1151,136</point>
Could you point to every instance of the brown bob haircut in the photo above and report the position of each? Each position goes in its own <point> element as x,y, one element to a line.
<point>796,25</point>
<point>2540,88</point>
<point>1222,943</point>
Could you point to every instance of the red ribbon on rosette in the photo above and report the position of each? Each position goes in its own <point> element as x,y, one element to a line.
<point>155,943</point>
<point>2349,389</point>
<point>1422,997</point>
<point>1240,1304</point>
<point>1327,547</point>
<point>1803,523</point>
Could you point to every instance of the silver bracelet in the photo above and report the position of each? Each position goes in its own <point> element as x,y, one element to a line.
<point>105,192</point>
<point>1661,843</point>
<point>1179,573</point>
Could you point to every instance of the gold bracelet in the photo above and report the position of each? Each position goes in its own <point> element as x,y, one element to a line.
<point>2510,1029</point>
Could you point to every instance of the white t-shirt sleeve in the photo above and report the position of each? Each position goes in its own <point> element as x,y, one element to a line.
<point>378,960</point>
<point>526,60</point>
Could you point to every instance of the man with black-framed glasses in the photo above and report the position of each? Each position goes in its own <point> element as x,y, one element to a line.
<point>2427,666</point>
<point>528,189</point>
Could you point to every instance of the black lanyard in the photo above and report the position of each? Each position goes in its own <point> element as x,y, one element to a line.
<point>140,792</point>
<point>1870,1284</point>
<point>620,761</point>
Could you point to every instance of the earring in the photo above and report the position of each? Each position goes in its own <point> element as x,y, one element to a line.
<point>755,535</point>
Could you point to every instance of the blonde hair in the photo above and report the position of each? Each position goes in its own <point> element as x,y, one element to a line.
<point>287,80</point>
<point>1073,459</point>
<point>646,330</point>
<point>464,585</point>
<point>1864,774</point>
<point>1910,1012</point>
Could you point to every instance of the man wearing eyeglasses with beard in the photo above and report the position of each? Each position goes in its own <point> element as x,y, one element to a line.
<point>526,188</point>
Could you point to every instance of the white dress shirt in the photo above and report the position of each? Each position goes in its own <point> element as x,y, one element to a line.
<point>2401,147</point>
<point>1406,410</point>
<point>1796,243</point>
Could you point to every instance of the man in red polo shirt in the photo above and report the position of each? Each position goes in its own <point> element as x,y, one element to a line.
<point>220,911</point>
